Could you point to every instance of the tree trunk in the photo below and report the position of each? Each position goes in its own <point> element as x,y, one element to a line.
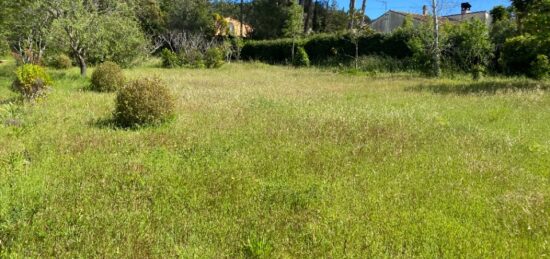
<point>309,14</point>
<point>82,65</point>
<point>363,10</point>
<point>437,51</point>
<point>351,14</point>
<point>242,19</point>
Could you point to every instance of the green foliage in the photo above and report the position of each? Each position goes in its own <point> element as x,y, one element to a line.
<point>61,61</point>
<point>540,68</point>
<point>145,101</point>
<point>107,77</point>
<point>518,54</point>
<point>537,19</point>
<point>499,13</point>
<point>293,25</point>
<point>469,45</point>
<point>119,39</point>
<point>213,58</point>
<point>301,59</point>
<point>193,58</point>
<point>326,48</point>
<point>169,59</point>
<point>31,81</point>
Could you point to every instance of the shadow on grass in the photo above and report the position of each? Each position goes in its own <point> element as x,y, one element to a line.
<point>485,87</point>
<point>112,124</point>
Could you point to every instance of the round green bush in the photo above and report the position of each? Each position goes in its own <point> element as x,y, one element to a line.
<point>31,81</point>
<point>62,61</point>
<point>107,77</point>
<point>301,59</point>
<point>214,58</point>
<point>144,101</point>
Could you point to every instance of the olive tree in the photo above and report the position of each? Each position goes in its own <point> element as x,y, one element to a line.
<point>93,34</point>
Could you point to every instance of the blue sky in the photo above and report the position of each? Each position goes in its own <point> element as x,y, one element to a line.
<point>376,7</point>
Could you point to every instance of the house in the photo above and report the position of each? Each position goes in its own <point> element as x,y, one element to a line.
<point>392,20</point>
<point>234,28</point>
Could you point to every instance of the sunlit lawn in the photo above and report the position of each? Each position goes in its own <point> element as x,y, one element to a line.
<point>274,162</point>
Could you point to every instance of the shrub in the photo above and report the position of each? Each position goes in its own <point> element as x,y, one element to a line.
<point>169,59</point>
<point>144,101</point>
<point>540,68</point>
<point>470,45</point>
<point>213,58</point>
<point>61,61</point>
<point>31,81</point>
<point>301,59</point>
<point>193,58</point>
<point>518,54</point>
<point>477,72</point>
<point>107,77</point>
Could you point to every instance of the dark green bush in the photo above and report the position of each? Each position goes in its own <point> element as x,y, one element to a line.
<point>146,101</point>
<point>107,77</point>
<point>518,54</point>
<point>269,51</point>
<point>301,59</point>
<point>169,59</point>
<point>61,61</point>
<point>31,81</point>
<point>540,68</point>
<point>214,58</point>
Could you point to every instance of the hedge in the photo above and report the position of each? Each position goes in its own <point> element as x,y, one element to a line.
<point>325,48</point>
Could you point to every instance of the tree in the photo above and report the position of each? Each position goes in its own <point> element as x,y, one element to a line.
<point>351,14</point>
<point>436,50</point>
<point>293,24</point>
<point>363,10</point>
<point>471,46</point>
<point>93,34</point>
<point>499,13</point>
<point>24,26</point>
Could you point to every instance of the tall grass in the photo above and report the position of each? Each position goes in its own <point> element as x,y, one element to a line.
<point>266,161</point>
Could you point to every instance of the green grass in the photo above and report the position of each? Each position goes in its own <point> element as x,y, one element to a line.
<point>274,162</point>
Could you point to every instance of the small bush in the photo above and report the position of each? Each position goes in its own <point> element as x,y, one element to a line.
<point>540,68</point>
<point>107,77</point>
<point>477,72</point>
<point>31,81</point>
<point>143,102</point>
<point>169,59</point>
<point>213,58</point>
<point>61,61</point>
<point>194,59</point>
<point>301,59</point>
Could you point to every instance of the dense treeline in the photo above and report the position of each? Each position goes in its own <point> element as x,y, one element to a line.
<point>91,32</point>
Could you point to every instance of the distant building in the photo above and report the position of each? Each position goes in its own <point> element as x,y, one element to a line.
<point>234,28</point>
<point>392,20</point>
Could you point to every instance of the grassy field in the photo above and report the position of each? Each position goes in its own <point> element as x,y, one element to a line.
<point>273,162</point>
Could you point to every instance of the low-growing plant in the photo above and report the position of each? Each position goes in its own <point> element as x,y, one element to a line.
<point>107,77</point>
<point>301,58</point>
<point>31,81</point>
<point>145,101</point>
<point>214,58</point>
